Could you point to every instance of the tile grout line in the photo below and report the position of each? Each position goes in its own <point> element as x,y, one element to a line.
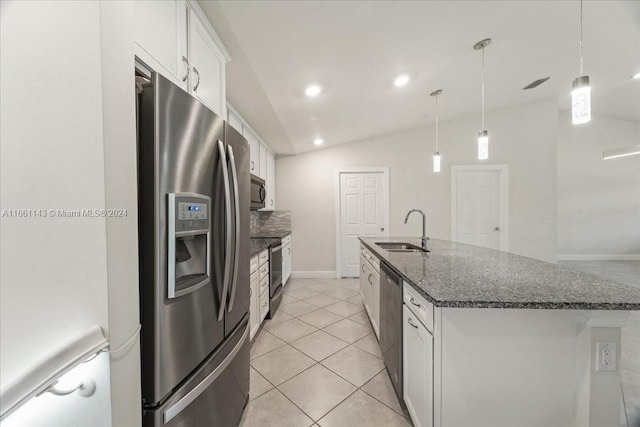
<point>358,388</point>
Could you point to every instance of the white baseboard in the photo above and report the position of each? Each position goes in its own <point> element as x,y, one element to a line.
<point>313,274</point>
<point>599,257</point>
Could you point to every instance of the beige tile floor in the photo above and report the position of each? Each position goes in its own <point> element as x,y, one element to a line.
<point>318,363</point>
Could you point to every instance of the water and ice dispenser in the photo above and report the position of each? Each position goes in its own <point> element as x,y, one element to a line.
<point>189,231</point>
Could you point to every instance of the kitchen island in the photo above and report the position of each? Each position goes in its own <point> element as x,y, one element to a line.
<point>495,339</point>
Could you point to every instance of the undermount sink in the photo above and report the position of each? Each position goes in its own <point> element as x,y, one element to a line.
<point>400,247</point>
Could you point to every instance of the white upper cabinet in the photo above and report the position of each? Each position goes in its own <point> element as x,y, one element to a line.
<point>207,66</point>
<point>234,120</point>
<point>262,170</point>
<point>174,38</point>
<point>262,160</point>
<point>270,203</point>
<point>254,166</point>
<point>161,37</point>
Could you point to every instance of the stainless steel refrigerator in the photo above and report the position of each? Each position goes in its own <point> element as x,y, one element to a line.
<point>193,189</point>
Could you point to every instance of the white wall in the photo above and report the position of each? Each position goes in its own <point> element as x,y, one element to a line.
<point>120,160</point>
<point>598,200</point>
<point>524,137</point>
<point>68,142</point>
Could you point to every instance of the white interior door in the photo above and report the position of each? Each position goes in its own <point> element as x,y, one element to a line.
<point>477,201</point>
<point>363,201</point>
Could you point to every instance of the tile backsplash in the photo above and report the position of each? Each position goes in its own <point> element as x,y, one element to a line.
<point>268,222</point>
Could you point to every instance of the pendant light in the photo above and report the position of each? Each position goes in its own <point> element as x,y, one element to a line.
<point>483,135</point>
<point>436,154</point>
<point>581,93</point>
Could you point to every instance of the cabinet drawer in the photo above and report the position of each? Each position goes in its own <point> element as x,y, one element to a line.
<point>371,259</point>
<point>422,308</point>
<point>264,284</point>
<point>264,304</point>
<point>264,272</point>
<point>253,264</point>
<point>286,240</point>
<point>263,257</point>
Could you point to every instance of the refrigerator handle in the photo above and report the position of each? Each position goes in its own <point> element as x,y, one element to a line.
<point>236,247</point>
<point>228,233</point>
<point>181,404</point>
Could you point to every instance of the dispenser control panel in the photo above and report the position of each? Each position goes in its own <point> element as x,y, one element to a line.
<point>192,213</point>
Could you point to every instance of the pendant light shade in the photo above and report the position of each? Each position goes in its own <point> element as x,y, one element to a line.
<point>581,101</point>
<point>483,145</point>
<point>483,135</point>
<point>436,162</point>
<point>436,155</point>
<point>581,91</point>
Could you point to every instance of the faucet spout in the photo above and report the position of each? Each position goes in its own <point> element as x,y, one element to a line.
<point>424,225</point>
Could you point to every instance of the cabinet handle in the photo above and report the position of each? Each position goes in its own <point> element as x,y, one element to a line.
<point>186,62</point>
<point>411,323</point>
<point>413,301</point>
<point>369,279</point>
<point>195,70</point>
<point>289,251</point>
<point>253,165</point>
<point>271,202</point>
<point>362,268</point>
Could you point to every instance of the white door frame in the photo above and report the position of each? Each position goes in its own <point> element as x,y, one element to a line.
<point>504,199</point>
<point>365,169</point>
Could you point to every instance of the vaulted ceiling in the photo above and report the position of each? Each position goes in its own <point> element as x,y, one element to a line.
<point>354,50</point>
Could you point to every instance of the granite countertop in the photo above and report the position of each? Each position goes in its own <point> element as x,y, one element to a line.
<point>258,244</point>
<point>272,235</point>
<point>460,275</point>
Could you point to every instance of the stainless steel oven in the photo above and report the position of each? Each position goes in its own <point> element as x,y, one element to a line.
<point>258,193</point>
<point>275,285</point>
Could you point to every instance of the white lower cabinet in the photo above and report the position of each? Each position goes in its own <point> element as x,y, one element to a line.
<point>259,305</point>
<point>370,287</point>
<point>286,259</point>
<point>254,305</point>
<point>417,365</point>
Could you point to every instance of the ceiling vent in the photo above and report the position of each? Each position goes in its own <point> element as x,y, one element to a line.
<point>536,83</point>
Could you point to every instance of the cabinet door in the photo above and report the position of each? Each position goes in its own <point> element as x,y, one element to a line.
<point>160,32</point>
<point>271,182</point>
<point>254,307</point>
<point>263,162</point>
<point>254,165</point>
<point>286,257</point>
<point>363,278</point>
<point>417,365</point>
<point>368,291</point>
<point>207,67</point>
<point>234,120</point>
<point>375,302</point>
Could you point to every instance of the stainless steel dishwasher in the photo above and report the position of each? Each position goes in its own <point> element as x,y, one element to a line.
<point>391,325</point>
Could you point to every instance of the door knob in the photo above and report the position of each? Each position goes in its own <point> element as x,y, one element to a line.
<point>497,229</point>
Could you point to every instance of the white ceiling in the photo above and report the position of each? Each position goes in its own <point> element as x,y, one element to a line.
<point>354,49</point>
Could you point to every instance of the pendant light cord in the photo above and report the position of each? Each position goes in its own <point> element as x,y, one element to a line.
<point>437,124</point>
<point>483,89</point>
<point>581,60</point>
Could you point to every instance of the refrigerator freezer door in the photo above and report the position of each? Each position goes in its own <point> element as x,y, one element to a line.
<point>238,305</point>
<point>215,394</point>
<point>177,153</point>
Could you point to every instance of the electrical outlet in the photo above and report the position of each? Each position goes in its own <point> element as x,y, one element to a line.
<point>607,356</point>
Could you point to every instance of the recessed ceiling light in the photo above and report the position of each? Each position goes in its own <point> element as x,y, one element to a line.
<point>313,90</point>
<point>401,80</point>
<point>318,141</point>
<point>636,76</point>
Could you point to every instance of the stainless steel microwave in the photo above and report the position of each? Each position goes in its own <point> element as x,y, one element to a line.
<point>258,193</point>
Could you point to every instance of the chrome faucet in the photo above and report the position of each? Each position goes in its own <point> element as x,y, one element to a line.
<point>424,226</point>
